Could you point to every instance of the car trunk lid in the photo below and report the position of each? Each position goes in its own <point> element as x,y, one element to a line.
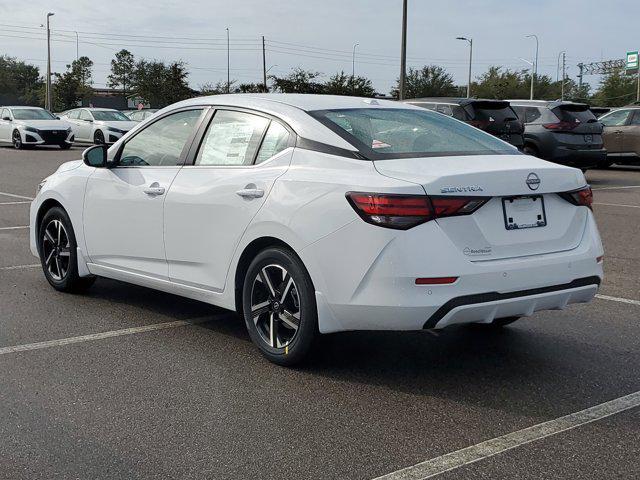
<point>523,214</point>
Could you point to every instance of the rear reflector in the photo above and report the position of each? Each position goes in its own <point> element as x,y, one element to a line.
<point>406,211</point>
<point>582,197</point>
<point>436,281</point>
<point>561,126</point>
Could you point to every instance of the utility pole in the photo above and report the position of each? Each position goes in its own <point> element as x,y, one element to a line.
<point>534,70</point>
<point>264,65</point>
<point>403,52</point>
<point>564,76</point>
<point>470,40</point>
<point>228,65</point>
<point>581,68</point>
<point>353,68</point>
<point>49,102</point>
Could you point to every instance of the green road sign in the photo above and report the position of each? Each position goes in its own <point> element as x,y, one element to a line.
<point>632,60</point>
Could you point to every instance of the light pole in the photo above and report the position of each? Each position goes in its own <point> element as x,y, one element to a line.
<point>353,68</point>
<point>228,65</point>
<point>470,40</point>
<point>48,103</point>
<point>403,52</point>
<point>534,70</point>
<point>77,45</point>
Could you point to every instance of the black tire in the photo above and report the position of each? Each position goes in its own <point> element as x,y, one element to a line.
<point>531,150</point>
<point>287,277</point>
<point>65,146</point>
<point>604,164</point>
<point>98,137</point>
<point>58,252</point>
<point>16,140</point>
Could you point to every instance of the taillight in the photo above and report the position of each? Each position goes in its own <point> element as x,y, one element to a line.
<point>406,211</point>
<point>481,124</point>
<point>582,197</point>
<point>561,126</point>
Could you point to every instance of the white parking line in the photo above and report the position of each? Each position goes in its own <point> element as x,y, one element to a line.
<point>19,267</point>
<point>617,205</point>
<point>15,196</point>
<point>14,228</point>
<point>495,446</point>
<point>615,188</point>
<point>618,299</point>
<point>14,203</point>
<point>100,336</point>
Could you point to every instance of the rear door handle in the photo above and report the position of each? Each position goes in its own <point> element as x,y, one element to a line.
<point>251,193</point>
<point>154,189</point>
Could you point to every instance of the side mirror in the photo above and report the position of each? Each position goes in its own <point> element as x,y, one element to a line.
<point>8,119</point>
<point>95,156</point>
<point>57,117</point>
<point>88,120</point>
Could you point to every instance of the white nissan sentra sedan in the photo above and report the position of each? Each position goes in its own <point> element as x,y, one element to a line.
<point>312,214</point>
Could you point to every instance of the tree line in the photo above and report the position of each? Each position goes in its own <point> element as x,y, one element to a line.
<point>162,83</point>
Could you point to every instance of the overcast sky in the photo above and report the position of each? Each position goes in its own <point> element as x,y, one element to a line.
<point>320,34</point>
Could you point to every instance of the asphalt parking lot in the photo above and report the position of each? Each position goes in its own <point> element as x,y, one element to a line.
<point>172,388</point>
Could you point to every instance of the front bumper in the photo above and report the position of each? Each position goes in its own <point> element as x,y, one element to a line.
<point>370,282</point>
<point>46,137</point>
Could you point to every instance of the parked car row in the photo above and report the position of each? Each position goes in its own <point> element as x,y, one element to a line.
<point>34,126</point>
<point>563,132</point>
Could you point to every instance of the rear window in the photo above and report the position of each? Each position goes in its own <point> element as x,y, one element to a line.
<point>491,111</point>
<point>575,113</point>
<point>396,133</point>
<point>535,114</point>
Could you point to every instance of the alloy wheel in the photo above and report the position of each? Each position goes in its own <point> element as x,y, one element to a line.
<point>56,249</point>
<point>17,140</point>
<point>275,306</point>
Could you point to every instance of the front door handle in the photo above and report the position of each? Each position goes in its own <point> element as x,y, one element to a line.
<point>251,193</point>
<point>154,189</point>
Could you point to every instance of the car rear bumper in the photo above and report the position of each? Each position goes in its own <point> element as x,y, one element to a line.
<point>370,284</point>
<point>580,158</point>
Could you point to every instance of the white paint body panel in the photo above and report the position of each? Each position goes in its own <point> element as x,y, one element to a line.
<point>189,240</point>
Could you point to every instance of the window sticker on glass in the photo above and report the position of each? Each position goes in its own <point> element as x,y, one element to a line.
<point>379,144</point>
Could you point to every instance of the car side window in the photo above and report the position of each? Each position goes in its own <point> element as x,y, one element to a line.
<point>531,114</point>
<point>616,119</point>
<point>636,118</point>
<point>4,113</point>
<point>74,114</point>
<point>85,115</point>
<point>231,139</point>
<point>446,109</point>
<point>162,142</point>
<point>275,140</point>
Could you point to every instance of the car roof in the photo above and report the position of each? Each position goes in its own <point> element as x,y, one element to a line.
<point>21,106</point>
<point>451,100</point>
<point>293,109</point>
<point>544,103</point>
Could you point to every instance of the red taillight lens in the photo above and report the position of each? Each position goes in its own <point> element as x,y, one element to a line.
<point>582,197</point>
<point>406,211</point>
<point>561,126</point>
<point>436,280</point>
<point>481,124</point>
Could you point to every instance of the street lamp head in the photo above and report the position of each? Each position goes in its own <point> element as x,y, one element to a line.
<point>50,14</point>
<point>462,38</point>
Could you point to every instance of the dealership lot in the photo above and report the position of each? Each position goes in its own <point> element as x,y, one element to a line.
<point>137,383</point>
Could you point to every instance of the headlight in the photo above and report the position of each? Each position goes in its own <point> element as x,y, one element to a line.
<point>40,185</point>
<point>30,129</point>
<point>117,130</point>
<point>69,130</point>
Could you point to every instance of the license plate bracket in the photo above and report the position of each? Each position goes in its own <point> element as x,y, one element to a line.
<point>525,211</point>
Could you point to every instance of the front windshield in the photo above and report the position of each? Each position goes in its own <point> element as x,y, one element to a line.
<point>380,133</point>
<point>31,114</point>
<point>110,116</point>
